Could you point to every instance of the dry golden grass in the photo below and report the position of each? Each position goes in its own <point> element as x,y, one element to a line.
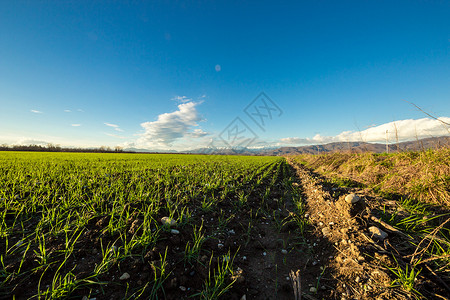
<point>423,175</point>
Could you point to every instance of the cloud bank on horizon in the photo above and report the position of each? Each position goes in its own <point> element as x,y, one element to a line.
<point>180,130</point>
<point>401,130</point>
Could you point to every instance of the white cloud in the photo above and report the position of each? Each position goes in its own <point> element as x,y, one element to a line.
<point>25,141</point>
<point>294,140</point>
<point>111,125</point>
<point>172,127</point>
<point>67,110</point>
<point>115,135</point>
<point>80,110</point>
<point>116,127</point>
<point>127,145</point>
<point>75,125</point>
<point>22,138</point>
<point>403,130</point>
<point>182,99</point>
<point>36,111</point>
<point>197,133</point>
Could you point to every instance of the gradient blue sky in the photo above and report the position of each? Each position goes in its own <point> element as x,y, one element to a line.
<point>69,70</point>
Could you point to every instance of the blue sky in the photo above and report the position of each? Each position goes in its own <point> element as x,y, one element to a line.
<point>176,75</point>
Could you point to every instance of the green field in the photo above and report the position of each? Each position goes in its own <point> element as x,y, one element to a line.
<point>70,221</point>
<point>173,226</point>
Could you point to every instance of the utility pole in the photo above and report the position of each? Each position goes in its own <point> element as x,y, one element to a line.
<point>387,141</point>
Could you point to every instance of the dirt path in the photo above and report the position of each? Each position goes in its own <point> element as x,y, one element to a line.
<point>353,258</point>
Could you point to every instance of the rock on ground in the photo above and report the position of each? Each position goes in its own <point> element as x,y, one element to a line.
<point>378,233</point>
<point>352,198</point>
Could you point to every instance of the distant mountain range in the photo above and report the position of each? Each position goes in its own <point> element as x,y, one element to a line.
<point>427,143</point>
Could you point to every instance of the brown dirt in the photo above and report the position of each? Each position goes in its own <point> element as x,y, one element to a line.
<point>357,261</point>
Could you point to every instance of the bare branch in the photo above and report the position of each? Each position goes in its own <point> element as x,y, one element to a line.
<point>431,116</point>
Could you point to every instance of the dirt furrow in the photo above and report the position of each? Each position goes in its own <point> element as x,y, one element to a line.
<point>354,260</point>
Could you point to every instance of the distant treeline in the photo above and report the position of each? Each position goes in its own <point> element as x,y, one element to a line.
<point>58,148</point>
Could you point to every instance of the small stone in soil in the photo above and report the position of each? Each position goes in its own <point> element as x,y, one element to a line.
<point>168,221</point>
<point>313,289</point>
<point>352,198</point>
<point>182,288</point>
<point>284,251</point>
<point>174,231</point>
<point>378,233</point>
<point>326,231</point>
<point>220,246</point>
<point>125,276</point>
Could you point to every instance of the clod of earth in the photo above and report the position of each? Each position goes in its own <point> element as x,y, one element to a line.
<point>134,227</point>
<point>238,276</point>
